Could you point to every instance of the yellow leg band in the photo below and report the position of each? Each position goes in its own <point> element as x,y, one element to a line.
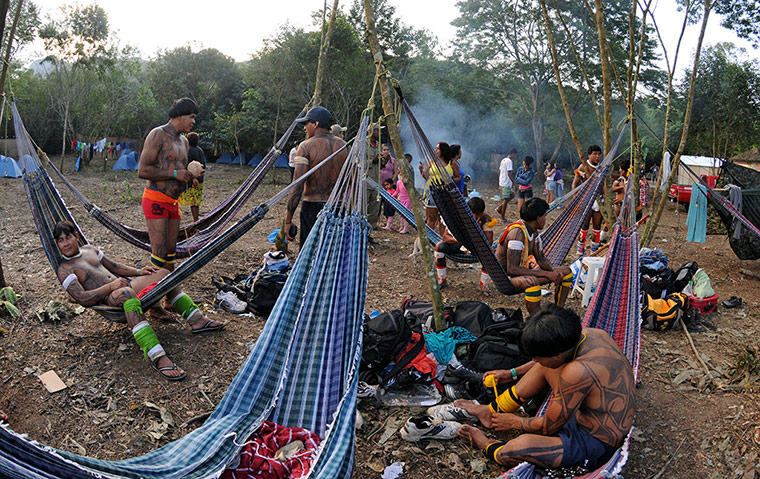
<point>567,281</point>
<point>156,261</point>
<point>533,294</point>
<point>170,258</point>
<point>508,401</point>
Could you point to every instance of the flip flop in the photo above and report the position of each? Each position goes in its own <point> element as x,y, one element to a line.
<point>161,370</point>
<point>732,302</point>
<point>206,328</point>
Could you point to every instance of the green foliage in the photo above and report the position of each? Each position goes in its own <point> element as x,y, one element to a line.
<point>127,195</point>
<point>28,24</point>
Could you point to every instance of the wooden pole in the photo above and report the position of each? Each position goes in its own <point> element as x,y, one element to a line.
<point>323,47</point>
<point>3,12</point>
<point>392,122</point>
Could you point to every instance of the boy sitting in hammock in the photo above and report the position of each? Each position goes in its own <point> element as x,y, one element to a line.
<point>92,278</point>
<point>590,413</point>
<point>450,245</point>
<point>521,255</point>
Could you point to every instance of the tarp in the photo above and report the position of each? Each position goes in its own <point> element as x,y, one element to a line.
<point>127,162</point>
<point>702,165</point>
<point>256,159</point>
<point>225,158</point>
<point>281,161</point>
<point>9,167</point>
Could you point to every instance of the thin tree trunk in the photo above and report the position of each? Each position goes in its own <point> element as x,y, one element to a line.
<point>392,122</point>
<point>607,91</point>
<point>323,47</point>
<point>2,275</point>
<point>63,141</point>
<point>684,133</point>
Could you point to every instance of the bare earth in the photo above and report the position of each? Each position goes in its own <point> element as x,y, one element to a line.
<point>110,409</point>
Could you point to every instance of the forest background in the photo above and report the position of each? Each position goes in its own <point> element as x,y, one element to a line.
<point>494,90</point>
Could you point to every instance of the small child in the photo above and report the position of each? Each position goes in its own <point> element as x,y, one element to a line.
<point>403,196</point>
<point>388,209</point>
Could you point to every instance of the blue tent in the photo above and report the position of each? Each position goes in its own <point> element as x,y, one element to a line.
<point>127,162</point>
<point>9,167</point>
<point>256,159</point>
<point>281,161</point>
<point>225,158</point>
<point>241,157</point>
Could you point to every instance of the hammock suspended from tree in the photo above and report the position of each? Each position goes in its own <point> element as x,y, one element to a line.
<point>463,226</point>
<point>48,209</point>
<point>207,227</point>
<point>302,371</point>
<point>433,236</point>
<point>747,244</point>
<point>615,308</point>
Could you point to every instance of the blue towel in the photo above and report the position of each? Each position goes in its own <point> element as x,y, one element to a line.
<point>273,236</point>
<point>442,344</point>
<point>697,218</point>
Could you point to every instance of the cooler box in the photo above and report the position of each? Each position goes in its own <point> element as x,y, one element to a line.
<point>705,305</point>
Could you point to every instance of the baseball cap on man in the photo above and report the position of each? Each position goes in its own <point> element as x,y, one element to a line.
<point>319,114</point>
<point>336,128</point>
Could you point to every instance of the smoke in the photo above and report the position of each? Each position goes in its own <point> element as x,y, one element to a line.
<point>485,138</point>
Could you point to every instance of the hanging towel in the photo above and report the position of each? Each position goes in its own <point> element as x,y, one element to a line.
<point>442,344</point>
<point>665,171</point>
<point>735,197</point>
<point>697,218</point>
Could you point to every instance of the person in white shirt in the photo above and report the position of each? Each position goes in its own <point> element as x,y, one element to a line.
<point>506,182</point>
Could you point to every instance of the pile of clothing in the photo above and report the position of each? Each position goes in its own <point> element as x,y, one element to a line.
<point>255,292</point>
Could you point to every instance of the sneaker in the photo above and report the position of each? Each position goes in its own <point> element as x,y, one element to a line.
<point>458,391</point>
<point>457,374</point>
<point>364,390</point>
<point>594,247</point>
<point>228,301</point>
<point>449,412</point>
<point>426,427</point>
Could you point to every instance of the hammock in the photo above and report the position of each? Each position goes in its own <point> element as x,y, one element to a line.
<point>302,371</point>
<point>433,236</point>
<point>209,226</point>
<point>615,308</point>
<point>48,209</point>
<point>747,246</point>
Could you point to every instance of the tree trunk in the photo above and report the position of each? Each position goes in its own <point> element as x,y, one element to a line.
<point>323,47</point>
<point>392,122</point>
<point>607,91</point>
<point>2,275</point>
<point>63,141</point>
<point>684,133</point>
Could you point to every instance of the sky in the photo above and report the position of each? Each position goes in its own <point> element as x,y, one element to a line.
<point>239,28</point>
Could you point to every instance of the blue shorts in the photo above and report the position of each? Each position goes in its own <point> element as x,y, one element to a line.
<point>580,448</point>
<point>524,193</point>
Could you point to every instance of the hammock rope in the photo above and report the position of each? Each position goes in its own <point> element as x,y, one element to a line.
<point>302,370</point>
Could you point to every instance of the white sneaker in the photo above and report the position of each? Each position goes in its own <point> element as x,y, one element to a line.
<point>228,301</point>
<point>364,390</point>
<point>426,427</point>
<point>450,412</point>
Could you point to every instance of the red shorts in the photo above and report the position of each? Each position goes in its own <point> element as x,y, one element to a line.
<point>157,205</point>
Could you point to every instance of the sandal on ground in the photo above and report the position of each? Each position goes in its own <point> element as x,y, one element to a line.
<point>207,327</point>
<point>161,370</point>
<point>732,302</point>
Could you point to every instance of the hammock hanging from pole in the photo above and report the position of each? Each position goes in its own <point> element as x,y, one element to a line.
<point>302,371</point>
<point>615,308</point>
<point>48,209</point>
<point>209,226</point>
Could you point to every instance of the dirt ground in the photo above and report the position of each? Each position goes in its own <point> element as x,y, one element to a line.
<point>111,407</point>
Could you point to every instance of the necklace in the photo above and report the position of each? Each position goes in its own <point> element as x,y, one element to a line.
<point>575,352</point>
<point>67,258</point>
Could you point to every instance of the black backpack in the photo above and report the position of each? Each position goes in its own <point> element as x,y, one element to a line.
<point>384,337</point>
<point>496,347</point>
<point>264,292</point>
<point>474,316</point>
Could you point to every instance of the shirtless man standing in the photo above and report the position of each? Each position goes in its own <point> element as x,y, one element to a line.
<point>593,405</point>
<point>163,162</point>
<point>319,144</point>
<point>92,278</point>
<point>582,174</point>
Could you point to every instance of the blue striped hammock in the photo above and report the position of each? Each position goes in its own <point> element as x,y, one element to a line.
<point>302,371</point>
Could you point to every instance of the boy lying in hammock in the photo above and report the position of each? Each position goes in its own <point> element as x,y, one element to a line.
<point>521,255</point>
<point>591,411</point>
<point>450,245</point>
<point>92,278</point>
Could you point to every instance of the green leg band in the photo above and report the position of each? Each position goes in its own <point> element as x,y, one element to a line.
<point>133,304</point>
<point>185,306</point>
<point>170,258</point>
<point>148,341</point>
<point>156,261</point>
<point>533,294</point>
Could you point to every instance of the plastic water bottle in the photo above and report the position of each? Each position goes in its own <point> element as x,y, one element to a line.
<point>688,291</point>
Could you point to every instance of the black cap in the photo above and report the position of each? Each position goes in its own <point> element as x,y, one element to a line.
<point>319,114</point>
